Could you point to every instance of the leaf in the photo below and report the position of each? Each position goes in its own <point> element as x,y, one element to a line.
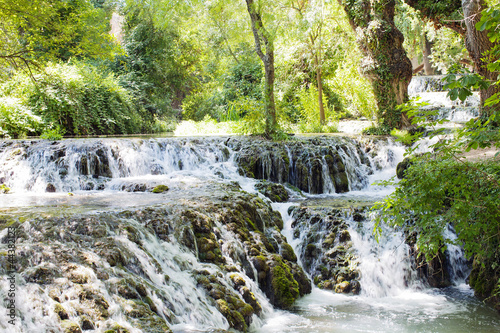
<point>463,94</point>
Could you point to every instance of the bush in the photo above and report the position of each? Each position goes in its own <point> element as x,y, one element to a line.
<point>17,120</point>
<point>83,101</point>
<point>309,111</point>
<point>53,134</point>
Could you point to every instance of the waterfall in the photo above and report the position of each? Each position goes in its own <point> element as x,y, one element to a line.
<point>431,90</point>
<point>202,256</point>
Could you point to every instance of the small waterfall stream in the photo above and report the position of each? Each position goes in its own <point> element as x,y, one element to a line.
<point>95,241</point>
<point>431,90</point>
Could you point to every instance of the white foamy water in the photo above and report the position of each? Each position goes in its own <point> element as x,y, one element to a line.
<point>103,175</point>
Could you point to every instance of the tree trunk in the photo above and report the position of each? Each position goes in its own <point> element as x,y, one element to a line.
<point>477,44</point>
<point>322,117</point>
<point>427,52</point>
<point>264,47</point>
<point>385,62</point>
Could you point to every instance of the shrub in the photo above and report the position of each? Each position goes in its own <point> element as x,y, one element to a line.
<point>17,120</point>
<point>83,101</point>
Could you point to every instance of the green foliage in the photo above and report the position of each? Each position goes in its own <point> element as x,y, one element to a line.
<point>309,111</point>
<point>377,130</point>
<point>490,21</point>
<point>402,136</point>
<point>448,49</point>
<point>461,86</point>
<point>35,31</point>
<point>4,189</point>
<point>17,120</point>
<point>207,126</point>
<point>83,101</point>
<point>155,67</point>
<point>437,191</point>
<point>53,134</point>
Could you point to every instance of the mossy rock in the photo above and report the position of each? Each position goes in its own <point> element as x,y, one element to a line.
<point>234,318</point>
<point>275,192</point>
<point>285,290</point>
<point>42,274</point>
<point>287,252</point>
<point>160,189</point>
<point>70,327</point>
<point>403,166</point>
<point>343,287</point>
<point>61,312</point>
<point>115,328</point>
<point>86,323</point>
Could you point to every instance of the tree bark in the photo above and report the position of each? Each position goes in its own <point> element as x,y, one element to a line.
<point>427,52</point>
<point>264,47</point>
<point>477,44</point>
<point>385,62</point>
<point>322,118</point>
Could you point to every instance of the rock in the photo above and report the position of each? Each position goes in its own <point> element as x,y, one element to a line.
<point>342,287</point>
<point>70,327</point>
<point>275,192</point>
<point>328,256</point>
<point>403,166</point>
<point>86,323</point>
<point>42,274</point>
<point>61,312</point>
<point>284,289</point>
<point>160,189</point>
<point>287,252</point>
<point>299,163</point>
<point>50,188</point>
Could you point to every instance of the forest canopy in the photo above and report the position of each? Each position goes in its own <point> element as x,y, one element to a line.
<point>259,66</point>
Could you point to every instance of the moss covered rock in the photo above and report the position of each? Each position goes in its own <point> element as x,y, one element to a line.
<point>160,189</point>
<point>275,192</point>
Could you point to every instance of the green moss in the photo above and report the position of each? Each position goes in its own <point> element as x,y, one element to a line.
<point>285,288</point>
<point>160,189</point>
<point>287,252</point>
<point>60,311</point>
<point>234,318</point>
<point>70,327</point>
<point>4,189</point>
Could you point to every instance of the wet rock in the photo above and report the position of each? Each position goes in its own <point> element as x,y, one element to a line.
<point>308,165</point>
<point>42,274</point>
<point>275,192</point>
<point>70,327</point>
<point>327,252</point>
<point>61,312</point>
<point>283,288</point>
<point>343,287</point>
<point>86,323</point>
<point>287,252</point>
<point>402,167</point>
<point>50,188</point>
<point>160,189</point>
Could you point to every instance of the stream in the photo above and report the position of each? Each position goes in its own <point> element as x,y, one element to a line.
<point>221,234</point>
<point>91,232</point>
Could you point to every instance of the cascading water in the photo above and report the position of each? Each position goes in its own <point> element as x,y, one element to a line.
<point>206,254</point>
<point>431,90</point>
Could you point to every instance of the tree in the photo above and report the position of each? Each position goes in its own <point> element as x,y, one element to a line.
<point>311,25</point>
<point>385,62</point>
<point>264,46</point>
<point>34,31</point>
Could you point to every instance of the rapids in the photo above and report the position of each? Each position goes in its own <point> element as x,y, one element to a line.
<point>99,251</point>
